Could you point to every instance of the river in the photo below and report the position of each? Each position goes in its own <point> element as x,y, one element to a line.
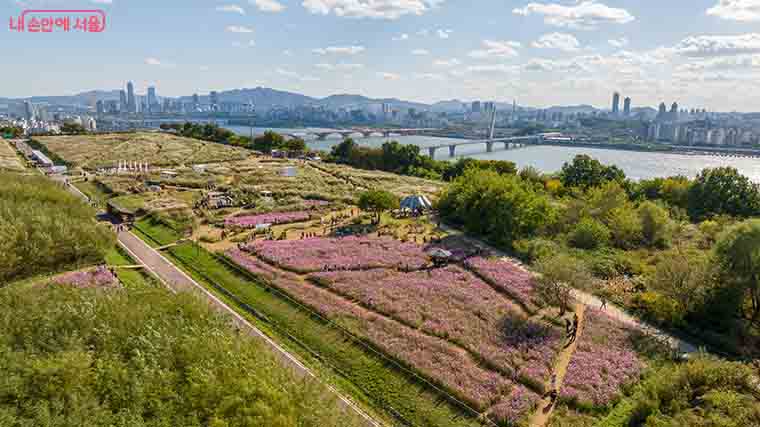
<point>636,164</point>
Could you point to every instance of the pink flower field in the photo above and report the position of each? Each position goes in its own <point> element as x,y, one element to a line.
<point>252,221</point>
<point>453,304</point>
<point>603,362</point>
<point>507,277</point>
<point>100,277</point>
<point>438,360</point>
<point>351,253</point>
<point>513,407</point>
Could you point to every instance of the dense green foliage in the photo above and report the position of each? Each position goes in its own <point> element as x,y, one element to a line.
<point>407,160</point>
<point>377,202</point>
<point>141,358</point>
<point>212,132</point>
<point>590,234</point>
<point>738,253</point>
<point>11,131</point>
<point>501,207</point>
<point>723,191</point>
<point>585,172</point>
<point>559,275</point>
<point>71,128</point>
<point>206,132</point>
<point>44,229</point>
<point>704,392</point>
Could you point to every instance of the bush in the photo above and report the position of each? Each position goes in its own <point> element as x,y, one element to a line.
<point>45,229</point>
<point>656,226</point>
<point>659,309</point>
<point>532,250</point>
<point>590,234</point>
<point>625,227</point>
<point>142,358</point>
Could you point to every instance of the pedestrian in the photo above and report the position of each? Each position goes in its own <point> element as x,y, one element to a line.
<point>604,303</point>
<point>568,326</point>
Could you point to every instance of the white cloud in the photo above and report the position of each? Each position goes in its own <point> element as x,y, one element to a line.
<point>204,68</point>
<point>736,10</point>
<point>618,43</point>
<point>287,53</point>
<point>711,46</point>
<point>378,9</point>
<point>496,68</point>
<point>496,49</point>
<point>401,37</point>
<point>268,5</point>
<point>339,50</point>
<point>585,15</point>
<point>238,29</point>
<point>102,1</point>
<point>444,34</point>
<point>423,32</point>
<point>341,66</point>
<point>231,8</point>
<point>446,63</point>
<point>420,52</point>
<point>429,76</point>
<point>562,41</point>
<point>155,62</point>
<point>725,63</point>
<point>295,76</point>
<point>550,65</point>
<point>388,76</point>
<point>252,43</point>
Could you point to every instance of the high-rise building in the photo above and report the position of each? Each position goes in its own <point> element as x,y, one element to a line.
<point>131,101</point>
<point>627,107</point>
<point>196,100</point>
<point>662,112</point>
<point>214,99</point>
<point>123,106</point>
<point>489,107</point>
<point>152,100</point>
<point>28,110</point>
<point>100,107</point>
<point>615,103</point>
<point>674,112</point>
<point>476,107</point>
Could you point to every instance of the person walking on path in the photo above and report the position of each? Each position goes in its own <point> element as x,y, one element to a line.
<point>604,303</point>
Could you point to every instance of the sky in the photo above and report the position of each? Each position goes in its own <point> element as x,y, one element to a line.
<point>699,53</point>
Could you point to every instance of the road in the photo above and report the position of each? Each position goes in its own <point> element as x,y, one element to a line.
<point>176,280</point>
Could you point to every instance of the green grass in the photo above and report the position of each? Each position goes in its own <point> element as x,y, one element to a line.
<point>355,370</point>
<point>134,279</point>
<point>93,190</point>
<point>157,234</point>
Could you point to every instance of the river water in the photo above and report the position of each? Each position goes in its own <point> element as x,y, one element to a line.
<point>637,165</point>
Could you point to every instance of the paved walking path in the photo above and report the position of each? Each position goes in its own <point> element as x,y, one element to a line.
<point>178,281</point>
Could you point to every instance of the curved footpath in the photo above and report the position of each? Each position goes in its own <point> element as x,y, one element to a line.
<point>177,281</point>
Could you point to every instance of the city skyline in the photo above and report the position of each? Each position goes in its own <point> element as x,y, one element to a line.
<point>543,54</point>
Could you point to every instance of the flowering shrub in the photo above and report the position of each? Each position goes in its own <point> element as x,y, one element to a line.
<point>252,221</point>
<point>506,277</point>
<point>350,253</point>
<point>437,359</point>
<point>513,407</point>
<point>603,361</point>
<point>453,304</point>
<point>100,277</point>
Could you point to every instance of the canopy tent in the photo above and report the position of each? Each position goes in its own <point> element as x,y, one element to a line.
<point>416,203</point>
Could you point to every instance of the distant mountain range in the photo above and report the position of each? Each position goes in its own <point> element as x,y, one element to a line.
<point>266,99</point>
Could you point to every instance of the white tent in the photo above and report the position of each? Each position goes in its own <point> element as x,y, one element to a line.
<point>414,203</point>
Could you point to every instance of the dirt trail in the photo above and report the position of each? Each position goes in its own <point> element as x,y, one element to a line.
<point>545,407</point>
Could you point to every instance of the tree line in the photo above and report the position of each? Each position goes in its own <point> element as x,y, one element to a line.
<point>690,244</point>
<point>265,143</point>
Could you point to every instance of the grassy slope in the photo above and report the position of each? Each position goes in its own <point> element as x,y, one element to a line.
<point>364,375</point>
<point>130,278</point>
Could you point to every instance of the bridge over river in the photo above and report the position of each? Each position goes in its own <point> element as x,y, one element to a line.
<point>510,143</point>
<point>362,133</point>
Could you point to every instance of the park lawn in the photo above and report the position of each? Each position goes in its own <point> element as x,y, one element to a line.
<point>93,190</point>
<point>363,375</point>
<point>9,160</point>
<point>134,279</point>
<point>155,233</point>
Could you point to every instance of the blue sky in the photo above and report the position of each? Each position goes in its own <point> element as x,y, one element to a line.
<point>701,53</point>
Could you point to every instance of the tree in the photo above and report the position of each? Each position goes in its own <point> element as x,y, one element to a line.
<point>738,253</point>
<point>295,145</point>
<point>71,128</point>
<point>723,191</point>
<point>268,142</point>
<point>559,275</point>
<point>585,172</point>
<point>590,234</point>
<point>377,202</point>
<point>11,131</point>
<point>656,226</point>
<point>342,152</point>
<point>686,276</point>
